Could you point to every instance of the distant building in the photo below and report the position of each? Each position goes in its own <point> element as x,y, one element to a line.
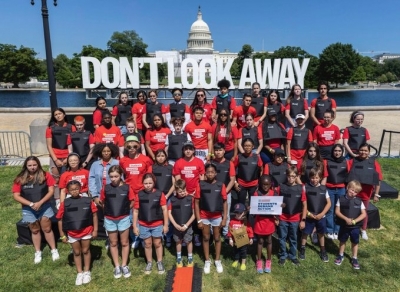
<point>381,58</point>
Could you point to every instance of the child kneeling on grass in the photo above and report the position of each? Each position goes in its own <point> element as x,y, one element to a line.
<point>150,208</point>
<point>181,215</point>
<point>318,204</point>
<point>350,212</point>
<point>240,236</point>
<point>78,216</point>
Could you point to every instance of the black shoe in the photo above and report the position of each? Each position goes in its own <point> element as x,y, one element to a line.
<point>323,255</point>
<point>295,262</point>
<point>282,262</point>
<point>302,254</point>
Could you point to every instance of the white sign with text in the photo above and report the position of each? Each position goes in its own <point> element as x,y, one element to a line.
<point>266,205</point>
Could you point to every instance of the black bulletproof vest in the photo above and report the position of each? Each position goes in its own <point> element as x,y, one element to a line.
<point>124,112</point>
<point>297,107</point>
<point>278,173</point>
<point>182,209</point>
<point>117,200</point>
<point>77,213</point>
<point>59,136</point>
<point>175,143</point>
<point>299,139</point>
<point>309,165</point>
<point>274,109</point>
<point>364,171</point>
<point>34,192</point>
<point>316,198</point>
<point>223,103</point>
<point>258,104</point>
<point>357,137</point>
<point>248,169</point>
<point>321,106</point>
<point>351,208</point>
<point>149,206</point>
<point>337,171</point>
<point>251,133</point>
<point>163,176</point>
<point>80,143</point>
<point>177,110</point>
<point>272,131</point>
<point>210,196</point>
<point>223,171</point>
<point>151,110</point>
<point>291,198</point>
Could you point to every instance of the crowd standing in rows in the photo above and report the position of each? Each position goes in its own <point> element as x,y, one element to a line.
<point>152,172</point>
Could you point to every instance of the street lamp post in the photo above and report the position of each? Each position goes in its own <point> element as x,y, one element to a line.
<point>49,55</point>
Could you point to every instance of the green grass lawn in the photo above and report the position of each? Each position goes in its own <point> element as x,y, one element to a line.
<point>379,259</point>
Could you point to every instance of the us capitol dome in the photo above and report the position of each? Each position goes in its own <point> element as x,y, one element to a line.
<point>200,40</point>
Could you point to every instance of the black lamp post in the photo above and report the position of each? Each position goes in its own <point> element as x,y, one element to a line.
<point>49,55</point>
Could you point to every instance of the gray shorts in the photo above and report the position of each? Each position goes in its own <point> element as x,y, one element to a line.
<point>185,236</point>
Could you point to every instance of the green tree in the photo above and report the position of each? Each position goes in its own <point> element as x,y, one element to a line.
<point>392,66</point>
<point>245,53</point>
<point>127,44</point>
<point>391,77</point>
<point>17,65</point>
<point>337,63</point>
<point>382,79</point>
<point>359,75</point>
<point>369,66</point>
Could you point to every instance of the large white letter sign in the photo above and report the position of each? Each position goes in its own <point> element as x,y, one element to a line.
<point>195,73</point>
<point>153,70</point>
<point>171,75</point>
<point>286,78</point>
<point>273,77</point>
<point>86,72</point>
<point>223,72</point>
<point>300,71</point>
<point>248,67</point>
<point>104,72</point>
<point>132,72</point>
<point>203,73</point>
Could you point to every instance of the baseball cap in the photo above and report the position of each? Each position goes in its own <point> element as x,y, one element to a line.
<point>239,208</point>
<point>300,116</point>
<point>132,139</point>
<point>188,144</point>
<point>279,152</point>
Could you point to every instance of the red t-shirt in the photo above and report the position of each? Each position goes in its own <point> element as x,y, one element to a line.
<point>243,183</point>
<point>314,102</point>
<point>136,205</point>
<point>59,153</point>
<point>157,138</point>
<point>222,134</point>
<point>294,217</point>
<point>131,197</point>
<point>231,106</point>
<point>264,224</point>
<point>326,136</point>
<point>81,175</point>
<point>138,109</point>
<point>189,171</point>
<point>206,214</point>
<point>367,190</point>
<point>240,114</point>
<point>77,233</point>
<point>199,134</point>
<point>16,188</point>
<point>207,113</point>
<point>97,117</point>
<point>297,154</point>
<point>135,169</point>
<point>104,135</point>
<point>236,224</point>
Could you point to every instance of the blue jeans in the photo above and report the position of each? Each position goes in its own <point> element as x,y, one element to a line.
<point>123,130</point>
<point>334,194</point>
<point>288,230</point>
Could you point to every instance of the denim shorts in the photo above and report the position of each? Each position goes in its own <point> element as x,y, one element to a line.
<point>346,232</point>
<point>114,225</point>
<point>75,239</point>
<point>320,225</point>
<point>30,216</point>
<point>146,232</point>
<point>213,222</point>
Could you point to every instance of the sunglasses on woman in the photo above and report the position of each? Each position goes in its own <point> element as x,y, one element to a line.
<point>132,147</point>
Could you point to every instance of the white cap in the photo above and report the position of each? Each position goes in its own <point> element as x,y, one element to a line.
<point>300,116</point>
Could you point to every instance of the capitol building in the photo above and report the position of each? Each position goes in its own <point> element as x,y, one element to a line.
<point>200,46</point>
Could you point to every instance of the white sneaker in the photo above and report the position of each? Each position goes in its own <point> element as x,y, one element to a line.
<point>335,236</point>
<point>330,236</point>
<point>219,267</point>
<point>364,235</point>
<point>79,279</point>
<point>87,277</point>
<point>54,255</point>
<point>207,267</point>
<point>38,257</point>
<point>197,241</point>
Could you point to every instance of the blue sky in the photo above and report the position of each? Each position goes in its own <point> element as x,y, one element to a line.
<point>312,25</point>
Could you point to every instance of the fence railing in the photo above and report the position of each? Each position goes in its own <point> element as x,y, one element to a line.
<point>389,148</point>
<point>15,146</point>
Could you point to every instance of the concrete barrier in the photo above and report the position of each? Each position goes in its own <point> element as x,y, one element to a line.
<point>38,136</point>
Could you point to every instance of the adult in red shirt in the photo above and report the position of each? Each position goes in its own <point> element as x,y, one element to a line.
<point>189,168</point>
<point>250,168</point>
<point>137,110</point>
<point>56,140</point>
<point>101,109</point>
<point>240,112</point>
<point>156,136</point>
<point>107,132</point>
<point>368,172</point>
<point>223,100</point>
<point>297,141</point>
<point>326,134</point>
<point>135,164</point>
<point>224,132</point>
<point>74,172</point>
<point>200,100</point>
<point>33,188</point>
<point>201,134</point>
<point>321,104</point>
